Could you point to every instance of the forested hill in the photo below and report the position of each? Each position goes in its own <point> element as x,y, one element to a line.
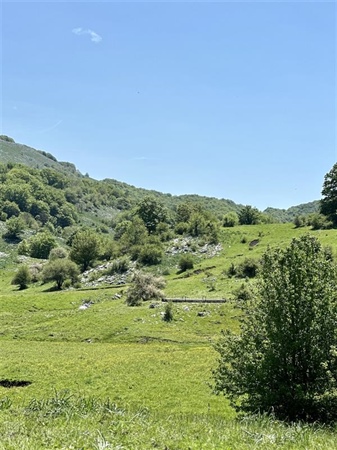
<point>89,195</point>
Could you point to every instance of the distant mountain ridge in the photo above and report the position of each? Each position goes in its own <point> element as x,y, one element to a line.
<point>12,152</point>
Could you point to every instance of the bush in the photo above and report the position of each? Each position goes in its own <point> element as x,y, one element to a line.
<point>59,270</point>
<point>120,265</point>
<point>230,219</point>
<point>248,268</point>
<point>300,221</point>
<point>41,244</point>
<point>145,286</point>
<point>168,312</point>
<point>22,277</point>
<point>58,253</point>
<point>150,254</point>
<point>319,222</point>
<point>185,263</point>
<point>15,226</point>
<point>285,360</point>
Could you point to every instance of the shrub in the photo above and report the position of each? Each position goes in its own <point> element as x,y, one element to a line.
<point>22,277</point>
<point>57,253</point>
<point>168,312</point>
<point>120,265</point>
<point>230,219</point>
<point>150,254</point>
<point>41,244</point>
<point>15,226</point>
<point>248,268</point>
<point>300,221</point>
<point>145,286</point>
<point>59,270</point>
<point>185,262</point>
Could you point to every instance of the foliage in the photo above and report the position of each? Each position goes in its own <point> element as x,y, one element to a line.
<point>319,222</point>
<point>41,244</point>
<point>150,254</point>
<point>15,226</point>
<point>60,270</point>
<point>57,253</point>
<point>119,265</point>
<point>285,361</point>
<point>230,219</point>
<point>300,221</point>
<point>85,248</point>
<point>145,286</point>
<point>248,268</point>
<point>22,277</point>
<point>328,206</point>
<point>249,215</point>
<point>186,262</point>
<point>168,312</point>
<point>152,212</point>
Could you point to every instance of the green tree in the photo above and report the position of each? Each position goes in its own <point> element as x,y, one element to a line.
<point>285,359</point>
<point>145,286</point>
<point>41,244</point>
<point>59,270</point>
<point>85,248</point>
<point>249,215</point>
<point>22,277</point>
<point>328,205</point>
<point>152,212</point>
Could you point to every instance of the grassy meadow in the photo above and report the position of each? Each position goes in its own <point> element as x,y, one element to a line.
<point>119,377</point>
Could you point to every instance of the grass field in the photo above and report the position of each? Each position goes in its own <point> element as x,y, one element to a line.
<point>116,377</point>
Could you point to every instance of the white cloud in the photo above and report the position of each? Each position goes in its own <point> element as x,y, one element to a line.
<point>94,37</point>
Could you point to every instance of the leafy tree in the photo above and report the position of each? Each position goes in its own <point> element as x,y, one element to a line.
<point>145,286</point>
<point>41,244</point>
<point>59,270</point>
<point>285,359</point>
<point>22,277</point>
<point>85,248</point>
<point>135,234</point>
<point>11,209</point>
<point>328,205</point>
<point>249,215</point>
<point>152,212</point>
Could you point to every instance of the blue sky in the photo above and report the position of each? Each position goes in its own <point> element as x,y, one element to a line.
<point>227,99</point>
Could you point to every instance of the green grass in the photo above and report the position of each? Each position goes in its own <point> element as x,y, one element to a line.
<point>118,377</point>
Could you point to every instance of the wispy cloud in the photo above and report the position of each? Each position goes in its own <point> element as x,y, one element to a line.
<point>94,37</point>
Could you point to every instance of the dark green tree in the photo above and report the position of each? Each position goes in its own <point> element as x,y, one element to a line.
<point>285,359</point>
<point>249,215</point>
<point>152,212</point>
<point>85,248</point>
<point>328,205</point>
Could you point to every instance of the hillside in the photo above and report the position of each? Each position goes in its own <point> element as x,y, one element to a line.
<point>128,195</point>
